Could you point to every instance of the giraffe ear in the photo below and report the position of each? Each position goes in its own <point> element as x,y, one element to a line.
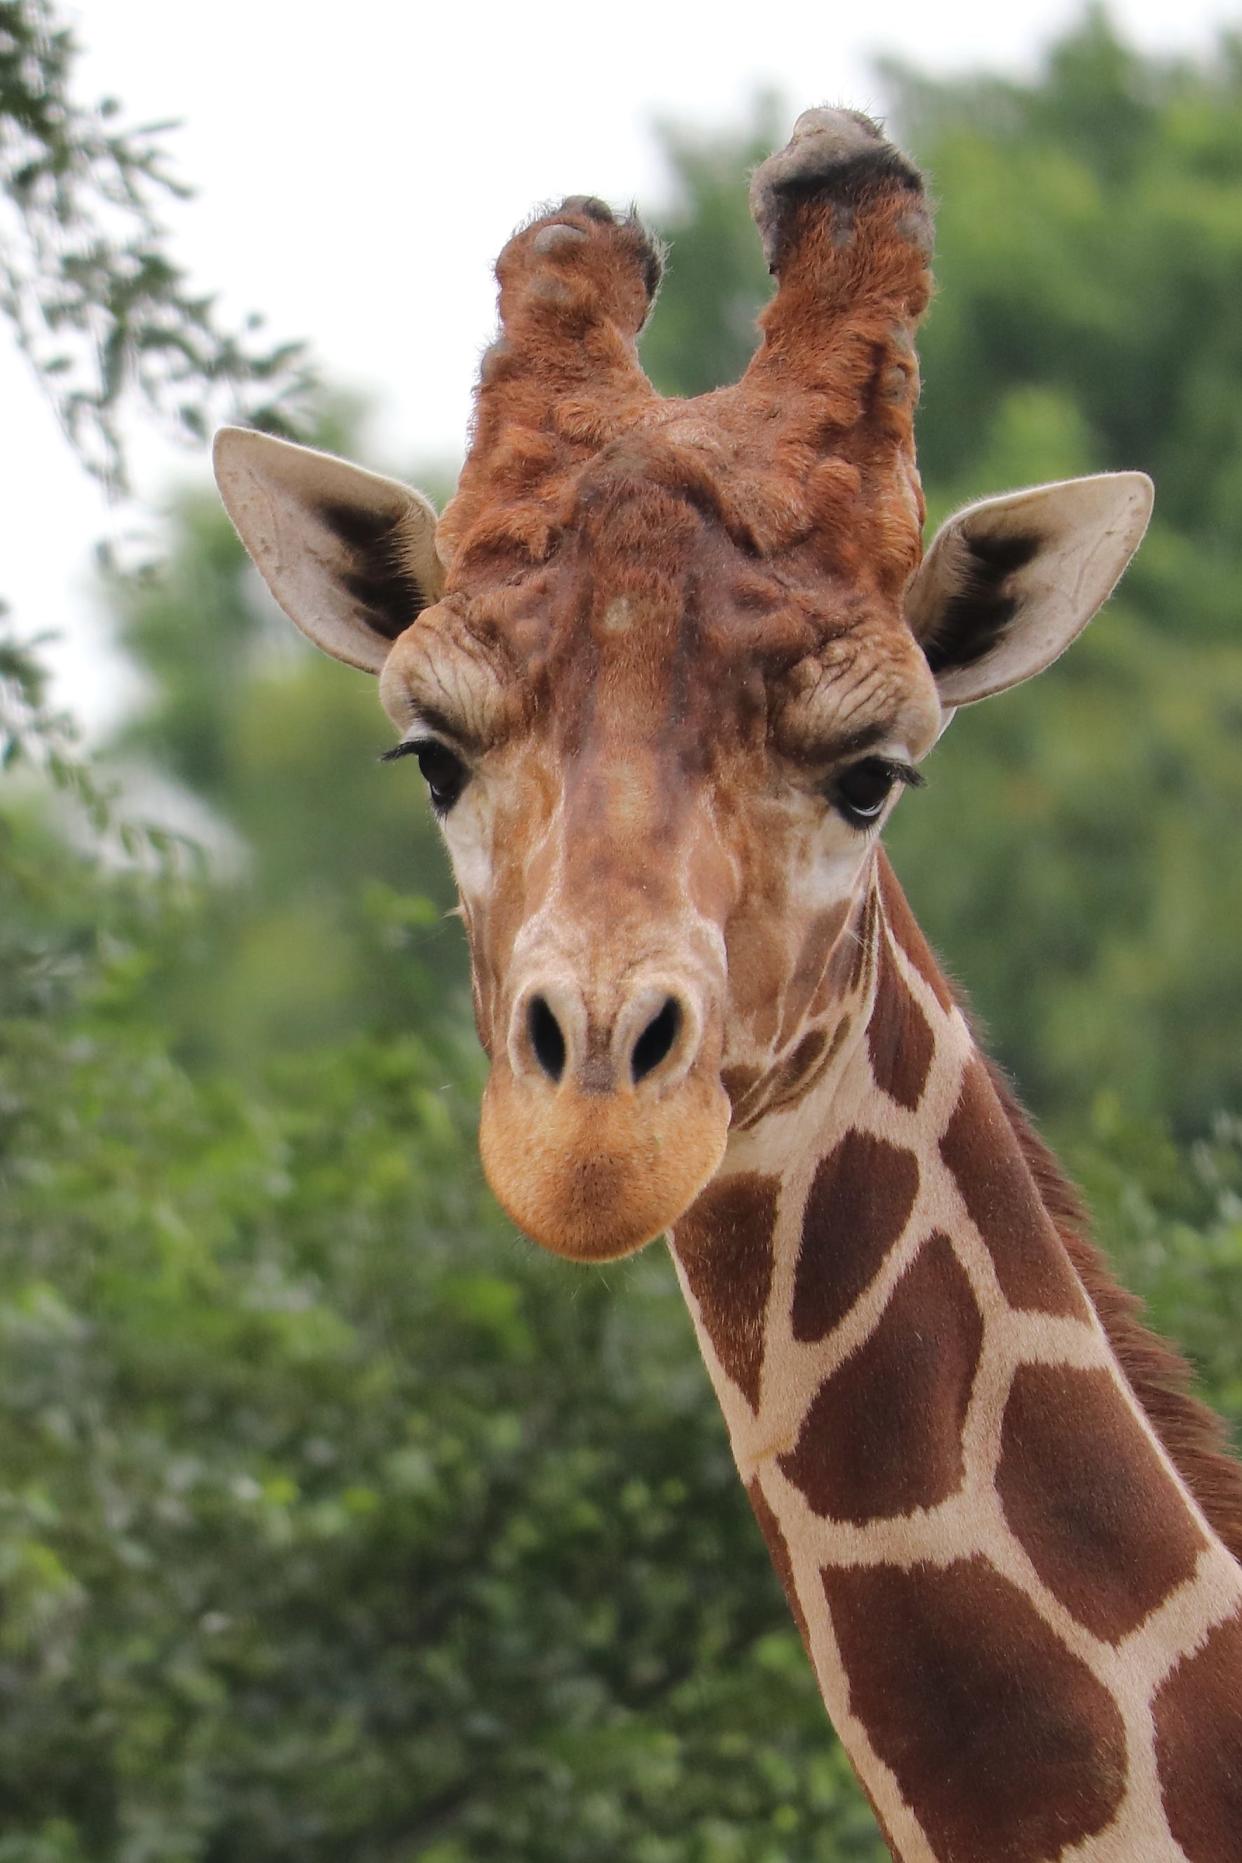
<point>350,557</point>
<point>1008,584</point>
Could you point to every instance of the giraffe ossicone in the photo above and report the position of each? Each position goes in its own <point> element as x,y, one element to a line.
<point>666,666</point>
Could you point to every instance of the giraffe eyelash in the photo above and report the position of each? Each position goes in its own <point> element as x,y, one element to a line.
<point>905,773</point>
<point>444,770</point>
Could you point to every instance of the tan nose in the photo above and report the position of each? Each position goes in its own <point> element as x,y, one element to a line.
<point>647,1041</point>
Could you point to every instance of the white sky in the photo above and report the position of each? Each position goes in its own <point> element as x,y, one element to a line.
<point>358,167</point>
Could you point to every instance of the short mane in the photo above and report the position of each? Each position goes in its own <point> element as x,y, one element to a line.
<point>1195,1438</point>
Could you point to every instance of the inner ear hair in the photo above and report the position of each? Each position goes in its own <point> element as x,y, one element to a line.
<point>376,566</point>
<point>1008,583</point>
<point>985,599</point>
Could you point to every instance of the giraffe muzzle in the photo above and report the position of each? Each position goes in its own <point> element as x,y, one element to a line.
<point>599,1127</point>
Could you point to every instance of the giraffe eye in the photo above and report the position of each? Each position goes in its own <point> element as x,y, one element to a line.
<point>859,793</point>
<point>442,769</point>
<point>444,774</point>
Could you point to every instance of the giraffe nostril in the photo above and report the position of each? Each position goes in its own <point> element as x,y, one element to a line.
<point>656,1041</point>
<point>546,1038</point>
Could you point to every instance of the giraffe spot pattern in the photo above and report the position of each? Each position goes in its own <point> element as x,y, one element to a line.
<point>1101,1521</point>
<point>799,1064</point>
<point>857,1207</point>
<point>778,1551</point>
<point>737,1082</point>
<point>1003,1742</point>
<point>797,1074</point>
<point>899,1041</point>
<point>724,1244</point>
<point>1198,1716</point>
<point>1003,1202</point>
<point>884,1433</point>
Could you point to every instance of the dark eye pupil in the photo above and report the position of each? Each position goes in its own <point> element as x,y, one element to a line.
<point>861,791</point>
<point>443,773</point>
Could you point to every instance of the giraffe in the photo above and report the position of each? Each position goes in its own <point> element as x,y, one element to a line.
<point>666,667</point>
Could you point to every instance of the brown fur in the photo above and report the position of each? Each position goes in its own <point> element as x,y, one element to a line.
<point>1202,1778</point>
<point>812,452</point>
<point>1002,1740</point>
<point>724,1245</point>
<point>883,1436</point>
<point>983,1154</point>
<point>1103,1527</point>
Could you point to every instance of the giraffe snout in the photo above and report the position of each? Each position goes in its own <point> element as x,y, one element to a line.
<point>604,1114</point>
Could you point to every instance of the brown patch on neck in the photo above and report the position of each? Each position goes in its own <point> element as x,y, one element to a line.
<point>856,1210</point>
<point>898,1038</point>
<point>1198,1715</point>
<point>1003,1202</point>
<point>1003,1742</point>
<point>1100,1519</point>
<point>883,1435</point>
<point>724,1244</point>
<point>1194,1437</point>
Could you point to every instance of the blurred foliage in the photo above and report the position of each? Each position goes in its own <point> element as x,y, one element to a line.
<point>314,930</point>
<point>716,279</point>
<point>337,1522</point>
<point>1074,851</point>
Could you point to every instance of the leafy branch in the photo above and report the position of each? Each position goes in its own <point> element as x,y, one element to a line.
<point>101,311</point>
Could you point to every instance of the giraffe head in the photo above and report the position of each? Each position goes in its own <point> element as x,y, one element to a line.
<point>666,665</point>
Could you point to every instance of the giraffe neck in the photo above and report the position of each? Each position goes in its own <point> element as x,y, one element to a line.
<point>1025,1628</point>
